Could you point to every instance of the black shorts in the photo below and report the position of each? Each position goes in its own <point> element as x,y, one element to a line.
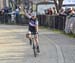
<point>32,30</point>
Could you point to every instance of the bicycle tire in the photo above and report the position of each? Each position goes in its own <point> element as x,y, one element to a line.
<point>30,41</point>
<point>34,50</point>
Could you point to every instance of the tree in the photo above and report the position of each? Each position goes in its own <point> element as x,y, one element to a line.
<point>58,4</point>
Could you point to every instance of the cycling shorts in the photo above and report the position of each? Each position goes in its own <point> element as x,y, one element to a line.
<point>32,30</point>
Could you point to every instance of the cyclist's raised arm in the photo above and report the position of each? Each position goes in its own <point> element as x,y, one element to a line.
<point>29,16</point>
<point>36,25</point>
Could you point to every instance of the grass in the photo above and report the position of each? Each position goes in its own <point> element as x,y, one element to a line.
<point>43,27</point>
<point>69,34</point>
<point>47,28</point>
<point>59,31</point>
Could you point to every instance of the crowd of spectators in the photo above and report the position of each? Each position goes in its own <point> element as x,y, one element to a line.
<point>62,11</point>
<point>7,14</point>
<point>51,11</point>
<point>68,11</point>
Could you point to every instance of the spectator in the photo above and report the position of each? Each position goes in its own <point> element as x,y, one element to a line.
<point>62,11</point>
<point>13,17</point>
<point>73,11</point>
<point>46,11</point>
<point>54,10</point>
<point>17,11</point>
<point>50,11</point>
<point>2,12</point>
<point>17,15</point>
<point>68,11</point>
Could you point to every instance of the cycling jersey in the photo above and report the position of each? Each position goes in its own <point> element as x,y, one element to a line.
<point>32,25</point>
<point>33,22</point>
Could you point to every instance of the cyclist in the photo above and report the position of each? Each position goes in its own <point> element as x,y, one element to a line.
<point>33,29</point>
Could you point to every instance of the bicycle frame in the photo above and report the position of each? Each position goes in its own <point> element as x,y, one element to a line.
<point>34,45</point>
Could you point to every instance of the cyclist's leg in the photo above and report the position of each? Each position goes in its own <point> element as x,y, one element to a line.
<point>29,36</point>
<point>36,38</point>
<point>37,42</point>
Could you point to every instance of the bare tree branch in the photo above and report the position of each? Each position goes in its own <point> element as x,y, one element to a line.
<point>58,5</point>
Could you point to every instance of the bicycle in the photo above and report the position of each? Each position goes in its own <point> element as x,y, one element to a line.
<point>34,45</point>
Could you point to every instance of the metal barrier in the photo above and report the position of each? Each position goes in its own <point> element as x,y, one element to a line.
<point>2,19</point>
<point>53,21</point>
<point>9,19</point>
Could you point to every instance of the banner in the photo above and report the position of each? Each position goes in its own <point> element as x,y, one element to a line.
<point>68,2</point>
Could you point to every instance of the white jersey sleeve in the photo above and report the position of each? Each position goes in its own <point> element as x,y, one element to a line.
<point>36,22</point>
<point>28,15</point>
